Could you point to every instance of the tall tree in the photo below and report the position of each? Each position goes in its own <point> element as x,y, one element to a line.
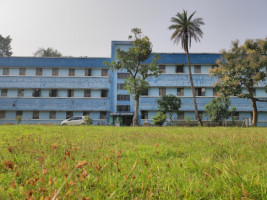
<point>133,62</point>
<point>241,69</point>
<point>5,47</point>
<point>49,52</point>
<point>185,29</point>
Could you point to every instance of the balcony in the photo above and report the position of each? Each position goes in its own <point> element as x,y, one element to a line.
<point>150,103</point>
<point>57,104</point>
<point>54,82</point>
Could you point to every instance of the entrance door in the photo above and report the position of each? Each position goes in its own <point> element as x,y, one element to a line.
<point>127,120</point>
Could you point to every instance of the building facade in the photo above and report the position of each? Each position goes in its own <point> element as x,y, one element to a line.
<point>49,90</point>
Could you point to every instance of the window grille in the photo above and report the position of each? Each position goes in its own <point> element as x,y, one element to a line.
<point>35,115</point>
<point>22,71</point>
<point>71,72</point>
<point>162,91</point>
<point>180,69</point>
<point>39,71</point>
<point>55,72</point>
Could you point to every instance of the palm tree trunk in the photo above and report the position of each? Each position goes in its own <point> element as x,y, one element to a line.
<point>135,118</point>
<point>193,90</point>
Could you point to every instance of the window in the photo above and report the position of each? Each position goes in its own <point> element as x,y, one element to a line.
<point>55,72</point>
<point>103,115</point>
<point>2,114</point>
<point>215,92</point>
<point>144,92</point>
<point>104,72</point>
<point>200,113</point>
<point>52,115</point>
<point>200,91</point>
<point>123,75</point>
<point>162,69</point>
<point>181,115</point>
<point>236,116</point>
<point>39,71</point>
<point>4,92</point>
<point>70,93</point>
<point>85,113</point>
<point>88,72</point>
<point>35,115</point>
<point>144,114</point>
<point>76,118</point>
<point>180,91</point>
<point>179,69</point>
<point>19,113</point>
<point>162,91</point>
<point>53,93</point>
<point>22,71</point>
<point>69,114</point>
<point>104,93</point>
<point>20,92</point>
<point>197,69</point>
<point>123,108</point>
<point>121,97</point>
<point>87,93</point>
<point>71,72</point>
<point>6,71</point>
<point>120,86</point>
<point>36,93</point>
<point>253,91</point>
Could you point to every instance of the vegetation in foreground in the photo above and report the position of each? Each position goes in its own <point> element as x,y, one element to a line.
<point>46,162</point>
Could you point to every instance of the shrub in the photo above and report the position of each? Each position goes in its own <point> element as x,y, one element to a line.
<point>19,118</point>
<point>159,119</point>
<point>88,120</point>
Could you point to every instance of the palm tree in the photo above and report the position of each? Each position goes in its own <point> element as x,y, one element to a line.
<point>185,28</point>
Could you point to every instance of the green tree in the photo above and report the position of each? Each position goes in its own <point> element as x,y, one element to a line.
<point>133,62</point>
<point>241,69</point>
<point>185,29</point>
<point>218,109</point>
<point>169,104</point>
<point>49,52</point>
<point>159,119</point>
<point>5,47</point>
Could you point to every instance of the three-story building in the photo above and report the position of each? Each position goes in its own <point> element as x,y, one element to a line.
<point>49,90</point>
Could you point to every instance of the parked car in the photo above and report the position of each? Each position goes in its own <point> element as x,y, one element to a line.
<point>73,121</point>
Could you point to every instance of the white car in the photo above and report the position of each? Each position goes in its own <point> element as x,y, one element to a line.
<point>73,121</point>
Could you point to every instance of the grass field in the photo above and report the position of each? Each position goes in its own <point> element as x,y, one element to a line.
<point>46,162</point>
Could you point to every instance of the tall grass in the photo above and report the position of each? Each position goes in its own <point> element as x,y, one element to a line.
<point>46,162</point>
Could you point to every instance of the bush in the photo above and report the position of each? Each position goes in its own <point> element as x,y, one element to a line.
<point>88,120</point>
<point>19,118</point>
<point>159,119</point>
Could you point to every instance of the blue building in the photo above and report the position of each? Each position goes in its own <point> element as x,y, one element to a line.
<point>49,90</point>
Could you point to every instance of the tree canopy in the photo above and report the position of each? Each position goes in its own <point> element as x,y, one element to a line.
<point>133,62</point>
<point>242,68</point>
<point>218,109</point>
<point>169,104</point>
<point>5,47</point>
<point>49,52</point>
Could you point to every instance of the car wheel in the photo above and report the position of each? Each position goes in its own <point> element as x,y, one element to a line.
<point>82,123</point>
<point>63,124</point>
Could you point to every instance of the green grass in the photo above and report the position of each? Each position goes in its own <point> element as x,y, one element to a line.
<point>132,163</point>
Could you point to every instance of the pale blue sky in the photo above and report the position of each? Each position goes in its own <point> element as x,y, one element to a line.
<point>87,27</point>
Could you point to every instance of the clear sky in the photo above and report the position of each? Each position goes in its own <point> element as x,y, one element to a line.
<point>87,27</point>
